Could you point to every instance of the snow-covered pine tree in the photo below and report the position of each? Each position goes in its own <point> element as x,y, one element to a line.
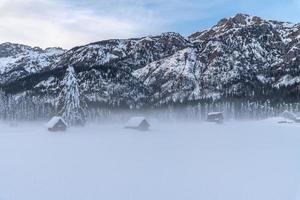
<point>70,103</point>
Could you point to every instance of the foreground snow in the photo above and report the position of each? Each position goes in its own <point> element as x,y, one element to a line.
<point>233,161</point>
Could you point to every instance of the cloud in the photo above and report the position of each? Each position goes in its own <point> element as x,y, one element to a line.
<point>53,23</point>
<point>69,23</point>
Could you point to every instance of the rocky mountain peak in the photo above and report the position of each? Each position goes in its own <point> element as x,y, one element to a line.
<point>246,24</point>
<point>11,49</point>
<point>239,20</point>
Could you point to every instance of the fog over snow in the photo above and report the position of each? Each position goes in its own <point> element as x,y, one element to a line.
<point>173,160</point>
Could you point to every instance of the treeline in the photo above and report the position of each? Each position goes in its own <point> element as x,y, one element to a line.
<point>24,108</point>
<point>34,108</point>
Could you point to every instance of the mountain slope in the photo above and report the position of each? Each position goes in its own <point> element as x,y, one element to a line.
<point>240,57</point>
<point>104,70</point>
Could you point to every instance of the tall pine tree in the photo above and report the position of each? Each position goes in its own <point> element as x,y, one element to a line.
<point>70,104</point>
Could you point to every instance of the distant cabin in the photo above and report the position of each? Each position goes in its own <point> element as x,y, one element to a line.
<point>217,117</point>
<point>290,116</point>
<point>139,123</point>
<point>57,124</point>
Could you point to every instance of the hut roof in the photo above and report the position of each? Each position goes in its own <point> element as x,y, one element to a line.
<point>289,115</point>
<point>215,113</point>
<point>54,121</point>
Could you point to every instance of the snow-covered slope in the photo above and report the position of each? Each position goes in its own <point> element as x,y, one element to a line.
<point>173,79</point>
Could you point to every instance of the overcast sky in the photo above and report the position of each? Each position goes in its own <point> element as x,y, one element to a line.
<point>68,23</point>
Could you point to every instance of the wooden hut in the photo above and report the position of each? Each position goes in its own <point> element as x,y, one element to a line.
<point>289,115</point>
<point>215,117</point>
<point>57,124</point>
<point>139,123</point>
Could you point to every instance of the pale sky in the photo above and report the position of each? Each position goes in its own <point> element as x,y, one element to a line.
<point>68,23</point>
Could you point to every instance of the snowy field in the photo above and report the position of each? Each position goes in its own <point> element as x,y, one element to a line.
<point>257,160</point>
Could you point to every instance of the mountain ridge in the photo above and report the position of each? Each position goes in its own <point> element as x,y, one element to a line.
<point>243,56</point>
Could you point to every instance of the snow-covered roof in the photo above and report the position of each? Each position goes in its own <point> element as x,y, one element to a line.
<point>289,115</point>
<point>54,120</point>
<point>135,121</point>
<point>214,113</point>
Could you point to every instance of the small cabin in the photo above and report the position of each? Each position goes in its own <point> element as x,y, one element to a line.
<point>139,123</point>
<point>57,124</point>
<point>289,115</point>
<point>215,117</point>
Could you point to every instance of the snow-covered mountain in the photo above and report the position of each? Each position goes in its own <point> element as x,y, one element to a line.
<point>240,57</point>
<point>104,69</point>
